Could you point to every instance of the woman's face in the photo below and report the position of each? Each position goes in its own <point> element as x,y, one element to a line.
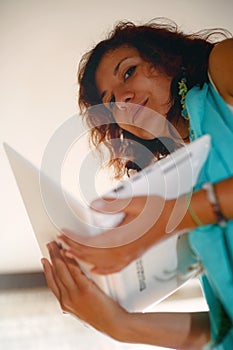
<point>136,93</point>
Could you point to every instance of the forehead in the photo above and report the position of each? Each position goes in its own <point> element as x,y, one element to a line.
<point>122,51</point>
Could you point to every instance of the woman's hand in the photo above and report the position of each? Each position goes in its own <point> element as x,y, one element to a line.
<point>147,219</point>
<point>80,296</point>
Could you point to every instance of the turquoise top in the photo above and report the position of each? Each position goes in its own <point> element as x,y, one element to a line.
<point>209,114</point>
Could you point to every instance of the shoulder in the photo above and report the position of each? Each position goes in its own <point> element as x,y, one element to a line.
<point>221,68</point>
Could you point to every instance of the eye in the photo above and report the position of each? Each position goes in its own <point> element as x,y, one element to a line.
<point>129,72</point>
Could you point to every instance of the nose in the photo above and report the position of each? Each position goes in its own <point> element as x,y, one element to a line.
<point>122,98</point>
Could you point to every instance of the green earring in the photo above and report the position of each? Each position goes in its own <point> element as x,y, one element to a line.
<point>183,89</point>
<point>183,92</point>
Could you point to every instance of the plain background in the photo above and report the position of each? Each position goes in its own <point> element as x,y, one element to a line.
<point>41,44</point>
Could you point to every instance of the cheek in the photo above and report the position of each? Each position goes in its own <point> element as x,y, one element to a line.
<point>161,91</point>
<point>159,83</point>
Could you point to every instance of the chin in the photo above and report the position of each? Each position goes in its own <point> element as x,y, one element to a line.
<point>143,134</point>
<point>147,137</point>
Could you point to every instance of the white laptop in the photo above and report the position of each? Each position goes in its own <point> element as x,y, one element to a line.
<point>162,269</point>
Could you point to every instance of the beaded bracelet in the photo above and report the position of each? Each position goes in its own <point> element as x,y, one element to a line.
<point>212,197</point>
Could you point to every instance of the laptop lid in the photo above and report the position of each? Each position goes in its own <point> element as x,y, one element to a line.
<point>156,274</point>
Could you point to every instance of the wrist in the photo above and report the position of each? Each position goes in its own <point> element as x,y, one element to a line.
<point>152,329</point>
<point>180,219</point>
<point>123,329</point>
<point>134,329</point>
<point>199,210</point>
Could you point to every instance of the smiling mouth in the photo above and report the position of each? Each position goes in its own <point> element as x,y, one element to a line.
<point>138,109</point>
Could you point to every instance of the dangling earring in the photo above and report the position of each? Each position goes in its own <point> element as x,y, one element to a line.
<point>183,89</point>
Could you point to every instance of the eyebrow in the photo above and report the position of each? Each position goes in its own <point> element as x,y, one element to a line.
<point>116,69</point>
<point>118,65</point>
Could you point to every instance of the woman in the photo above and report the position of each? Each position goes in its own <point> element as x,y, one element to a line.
<point>187,80</point>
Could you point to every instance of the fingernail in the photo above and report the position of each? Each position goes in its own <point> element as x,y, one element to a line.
<point>69,255</point>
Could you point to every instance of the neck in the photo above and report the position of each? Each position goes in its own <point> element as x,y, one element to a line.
<point>182,127</point>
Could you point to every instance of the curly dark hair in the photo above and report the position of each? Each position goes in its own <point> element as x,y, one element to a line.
<point>168,49</point>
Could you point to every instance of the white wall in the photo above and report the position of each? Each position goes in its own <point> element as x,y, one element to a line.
<point>41,43</point>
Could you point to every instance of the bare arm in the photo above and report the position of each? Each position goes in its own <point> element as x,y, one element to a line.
<point>221,69</point>
<point>81,297</point>
<point>149,219</point>
<point>173,330</point>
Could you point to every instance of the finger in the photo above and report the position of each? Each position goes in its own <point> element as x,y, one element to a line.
<point>139,219</point>
<point>99,268</point>
<point>49,275</point>
<point>77,273</point>
<point>76,250</point>
<point>106,270</point>
<point>68,243</point>
<point>111,206</point>
<point>80,251</point>
<point>76,255</point>
<point>62,275</point>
